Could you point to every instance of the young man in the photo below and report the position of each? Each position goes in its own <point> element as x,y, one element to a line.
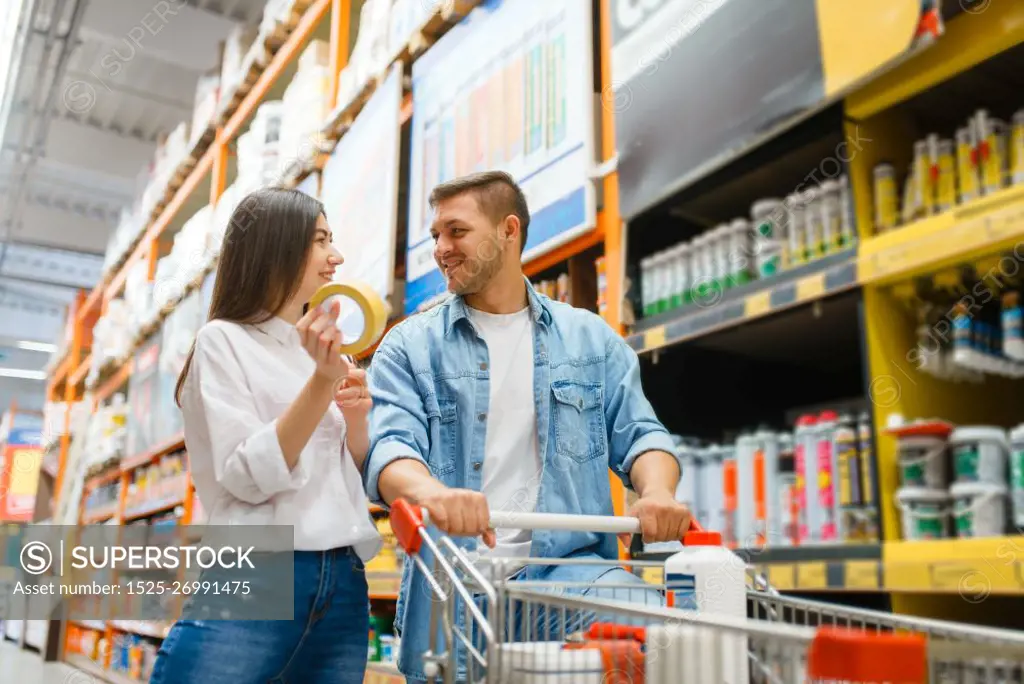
<point>501,399</point>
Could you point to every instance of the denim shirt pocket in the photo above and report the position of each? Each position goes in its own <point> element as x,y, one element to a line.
<point>444,439</point>
<point>578,418</point>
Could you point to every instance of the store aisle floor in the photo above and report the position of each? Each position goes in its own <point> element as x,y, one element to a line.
<point>27,667</point>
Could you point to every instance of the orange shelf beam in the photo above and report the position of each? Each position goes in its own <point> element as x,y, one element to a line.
<point>78,375</point>
<point>564,252</point>
<point>289,51</point>
<point>176,443</point>
<point>113,383</point>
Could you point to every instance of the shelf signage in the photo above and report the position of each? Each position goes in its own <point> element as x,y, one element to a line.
<point>510,88</point>
<point>359,189</point>
<point>696,82</point>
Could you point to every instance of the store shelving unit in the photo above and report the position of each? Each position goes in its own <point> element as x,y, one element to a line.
<point>843,323</point>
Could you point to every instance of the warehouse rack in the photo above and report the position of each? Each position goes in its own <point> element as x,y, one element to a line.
<point>878,90</point>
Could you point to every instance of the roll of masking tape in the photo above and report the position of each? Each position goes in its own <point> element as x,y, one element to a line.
<point>375,315</point>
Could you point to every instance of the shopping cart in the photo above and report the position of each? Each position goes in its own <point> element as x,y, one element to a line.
<point>488,627</point>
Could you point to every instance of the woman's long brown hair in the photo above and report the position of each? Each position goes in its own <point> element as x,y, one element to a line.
<point>266,246</point>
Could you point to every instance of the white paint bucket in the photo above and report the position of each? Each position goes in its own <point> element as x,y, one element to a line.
<point>1017,475</point>
<point>980,454</point>
<point>925,513</point>
<point>923,462</point>
<point>979,509</point>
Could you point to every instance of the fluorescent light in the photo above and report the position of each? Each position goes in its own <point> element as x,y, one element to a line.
<point>37,346</point>
<point>23,373</point>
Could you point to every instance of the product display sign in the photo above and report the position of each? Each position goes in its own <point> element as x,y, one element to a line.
<point>20,461</point>
<point>359,190</point>
<point>696,81</point>
<point>510,88</point>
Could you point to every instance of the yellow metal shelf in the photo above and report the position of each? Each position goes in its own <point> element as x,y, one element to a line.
<point>979,228</point>
<point>972,568</point>
<point>970,38</point>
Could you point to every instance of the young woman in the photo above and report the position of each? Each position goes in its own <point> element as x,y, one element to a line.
<point>276,432</point>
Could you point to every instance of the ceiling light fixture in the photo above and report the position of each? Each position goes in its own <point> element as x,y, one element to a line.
<point>22,373</point>
<point>36,346</point>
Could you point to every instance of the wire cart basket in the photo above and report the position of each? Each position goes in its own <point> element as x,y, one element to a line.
<point>497,629</point>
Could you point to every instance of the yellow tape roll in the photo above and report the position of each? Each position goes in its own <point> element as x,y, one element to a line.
<point>369,302</point>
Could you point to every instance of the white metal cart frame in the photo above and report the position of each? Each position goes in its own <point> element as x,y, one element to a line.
<point>517,631</point>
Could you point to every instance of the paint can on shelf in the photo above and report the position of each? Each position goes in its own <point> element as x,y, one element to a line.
<point>1017,475</point>
<point>1012,320</point>
<point>979,509</point>
<point>922,462</point>
<point>979,454</point>
<point>924,513</point>
<point>768,219</point>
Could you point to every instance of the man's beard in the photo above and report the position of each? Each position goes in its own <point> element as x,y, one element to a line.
<point>474,274</point>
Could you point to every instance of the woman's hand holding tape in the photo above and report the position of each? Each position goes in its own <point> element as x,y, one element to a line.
<point>321,338</point>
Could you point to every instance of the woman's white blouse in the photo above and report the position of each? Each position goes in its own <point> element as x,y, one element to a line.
<point>242,379</point>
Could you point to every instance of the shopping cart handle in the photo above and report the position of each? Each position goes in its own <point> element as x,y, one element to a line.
<point>407,521</point>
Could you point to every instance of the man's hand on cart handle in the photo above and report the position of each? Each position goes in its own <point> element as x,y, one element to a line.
<point>662,518</point>
<point>458,512</point>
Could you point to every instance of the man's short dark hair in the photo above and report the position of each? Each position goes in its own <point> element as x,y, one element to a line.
<point>497,193</point>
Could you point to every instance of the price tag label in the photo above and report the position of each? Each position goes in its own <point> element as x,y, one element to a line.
<point>861,575</point>
<point>782,577</point>
<point>654,337</point>
<point>757,304</point>
<point>810,287</point>
<point>812,575</point>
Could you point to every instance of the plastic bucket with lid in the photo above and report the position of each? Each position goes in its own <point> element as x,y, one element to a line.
<point>1017,474</point>
<point>923,462</point>
<point>925,513</point>
<point>979,454</point>
<point>979,509</point>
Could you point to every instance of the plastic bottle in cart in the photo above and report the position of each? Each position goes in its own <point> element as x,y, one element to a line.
<point>712,581</point>
<point>805,454</point>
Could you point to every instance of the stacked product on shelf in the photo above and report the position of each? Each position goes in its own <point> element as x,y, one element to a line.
<point>958,481</point>
<point>814,485</point>
<point>306,105</point>
<point>106,436</point>
<point>558,290</point>
<point>234,57</point>
<point>382,646</point>
<point>133,656</point>
<point>966,337</point>
<point>371,53</point>
<point>984,157</point>
<point>157,484</point>
<point>778,235</point>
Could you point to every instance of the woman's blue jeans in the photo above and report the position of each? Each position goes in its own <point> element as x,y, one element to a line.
<point>325,643</point>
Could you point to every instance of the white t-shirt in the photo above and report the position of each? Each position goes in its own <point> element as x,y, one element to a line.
<point>512,465</point>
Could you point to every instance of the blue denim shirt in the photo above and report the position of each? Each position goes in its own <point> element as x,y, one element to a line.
<point>430,385</point>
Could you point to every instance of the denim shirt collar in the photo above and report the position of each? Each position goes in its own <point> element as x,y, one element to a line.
<point>538,308</point>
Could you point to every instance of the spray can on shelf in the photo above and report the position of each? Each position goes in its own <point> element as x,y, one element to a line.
<point>720,241</point>
<point>847,479</point>
<point>767,517</point>
<point>714,488</point>
<point>922,196</point>
<point>815,246</point>
<point>831,217</point>
<point>707,251</point>
<point>768,216</point>
<point>1013,330</point>
<point>847,234</point>
<point>967,175</point>
<point>1017,149</point>
<point>806,462</point>
<point>793,255</point>
<point>662,283</point>
<point>826,485</point>
<point>886,202</point>
<point>993,149</point>
<point>866,457</point>
<point>740,251</point>
<point>696,268</point>
<point>647,286</point>
<point>681,291</point>
<point>746,513</point>
<point>945,192</point>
